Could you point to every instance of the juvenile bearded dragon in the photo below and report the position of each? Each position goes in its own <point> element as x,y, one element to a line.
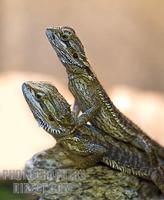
<point>87,145</point>
<point>90,96</point>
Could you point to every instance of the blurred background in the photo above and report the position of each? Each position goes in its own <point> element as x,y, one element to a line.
<point>124,42</point>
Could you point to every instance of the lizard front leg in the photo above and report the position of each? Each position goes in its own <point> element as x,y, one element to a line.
<point>85,116</point>
<point>76,108</point>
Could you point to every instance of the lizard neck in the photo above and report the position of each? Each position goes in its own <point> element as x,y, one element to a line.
<point>82,74</point>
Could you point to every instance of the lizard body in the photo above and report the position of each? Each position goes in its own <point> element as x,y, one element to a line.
<point>86,145</point>
<point>91,98</point>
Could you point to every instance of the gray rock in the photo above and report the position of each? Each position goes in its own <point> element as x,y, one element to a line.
<point>52,176</point>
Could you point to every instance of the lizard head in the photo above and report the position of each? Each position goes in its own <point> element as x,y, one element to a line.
<point>48,106</point>
<point>68,48</point>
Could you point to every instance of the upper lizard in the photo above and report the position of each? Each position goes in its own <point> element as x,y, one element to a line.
<point>87,145</point>
<point>91,98</point>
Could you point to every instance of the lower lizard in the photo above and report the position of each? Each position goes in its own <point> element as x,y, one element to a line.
<point>86,145</point>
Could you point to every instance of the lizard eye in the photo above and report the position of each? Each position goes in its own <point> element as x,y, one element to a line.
<point>65,36</point>
<point>39,95</point>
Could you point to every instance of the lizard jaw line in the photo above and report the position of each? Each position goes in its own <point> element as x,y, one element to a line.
<point>46,126</point>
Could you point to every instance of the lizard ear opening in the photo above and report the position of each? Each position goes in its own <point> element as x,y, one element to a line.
<point>50,118</point>
<point>75,55</point>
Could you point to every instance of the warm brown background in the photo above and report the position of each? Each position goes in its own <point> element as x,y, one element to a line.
<point>124,41</point>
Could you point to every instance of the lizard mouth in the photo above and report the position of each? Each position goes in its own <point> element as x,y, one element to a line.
<point>29,97</point>
<point>53,37</point>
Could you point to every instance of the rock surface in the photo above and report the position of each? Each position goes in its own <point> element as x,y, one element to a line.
<point>52,177</point>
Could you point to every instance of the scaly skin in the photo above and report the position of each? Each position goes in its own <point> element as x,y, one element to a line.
<point>90,96</point>
<point>86,145</point>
